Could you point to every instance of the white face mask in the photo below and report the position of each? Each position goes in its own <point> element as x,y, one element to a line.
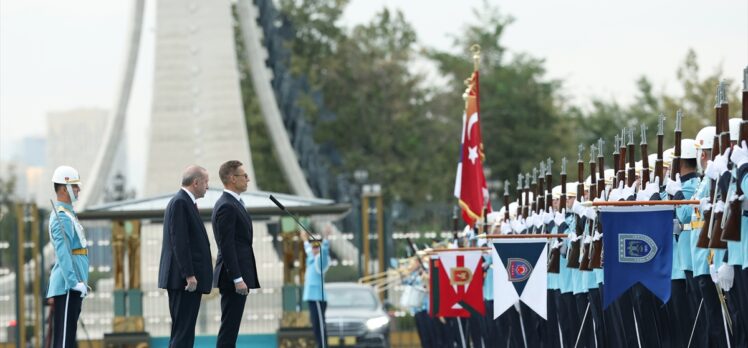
<point>73,197</point>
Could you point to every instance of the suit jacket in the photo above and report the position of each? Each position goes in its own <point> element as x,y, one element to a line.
<point>232,227</point>
<point>185,250</point>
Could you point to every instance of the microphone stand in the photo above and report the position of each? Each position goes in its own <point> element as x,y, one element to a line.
<point>313,239</point>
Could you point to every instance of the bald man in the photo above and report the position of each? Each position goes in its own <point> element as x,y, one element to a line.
<point>186,270</point>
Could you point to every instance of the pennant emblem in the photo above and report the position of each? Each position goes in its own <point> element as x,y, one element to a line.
<point>518,269</point>
<point>461,276</point>
<point>635,248</point>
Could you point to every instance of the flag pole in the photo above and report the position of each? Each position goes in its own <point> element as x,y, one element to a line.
<point>633,203</point>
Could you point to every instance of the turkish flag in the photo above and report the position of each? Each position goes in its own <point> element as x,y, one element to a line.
<point>470,183</point>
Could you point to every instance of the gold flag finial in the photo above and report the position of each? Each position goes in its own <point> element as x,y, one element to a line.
<point>476,56</point>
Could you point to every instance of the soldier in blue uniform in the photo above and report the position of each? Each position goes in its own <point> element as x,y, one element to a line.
<point>69,277</point>
<point>317,263</point>
<point>682,307</point>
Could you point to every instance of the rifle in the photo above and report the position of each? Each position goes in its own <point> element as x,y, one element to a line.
<point>535,197</point>
<point>413,250</point>
<point>706,227</point>
<point>541,189</point>
<point>573,258</point>
<point>554,264</point>
<point>659,167</point>
<point>723,128</point>
<point>506,201</point>
<point>526,191</point>
<point>616,161</point>
<point>645,156</point>
<point>455,226</point>
<point>675,166</point>
<point>596,260</point>
<point>519,196</point>
<point>549,184</point>
<point>631,173</point>
<point>733,224</point>
<point>622,165</point>
<point>587,252</point>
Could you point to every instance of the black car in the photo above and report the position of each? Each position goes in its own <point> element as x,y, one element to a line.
<point>355,317</point>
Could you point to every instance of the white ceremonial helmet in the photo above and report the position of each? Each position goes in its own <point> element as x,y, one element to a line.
<point>705,138</point>
<point>571,189</point>
<point>556,192</point>
<point>735,128</point>
<point>688,149</point>
<point>667,157</point>
<point>68,176</point>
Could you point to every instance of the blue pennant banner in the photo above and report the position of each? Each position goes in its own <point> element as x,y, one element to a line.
<point>638,247</point>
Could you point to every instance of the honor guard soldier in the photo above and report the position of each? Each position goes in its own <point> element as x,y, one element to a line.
<point>317,263</point>
<point>69,276</point>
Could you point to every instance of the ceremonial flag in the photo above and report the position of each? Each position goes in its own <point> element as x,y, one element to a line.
<point>520,274</point>
<point>470,183</point>
<point>456,284</point>
<point>638,247</point>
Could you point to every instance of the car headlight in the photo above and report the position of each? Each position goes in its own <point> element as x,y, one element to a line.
<point>377,323</point>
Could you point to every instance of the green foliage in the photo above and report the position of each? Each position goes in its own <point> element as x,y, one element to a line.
<point>405,131</point>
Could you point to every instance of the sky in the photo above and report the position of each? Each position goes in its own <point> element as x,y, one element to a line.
<point>61,55</point>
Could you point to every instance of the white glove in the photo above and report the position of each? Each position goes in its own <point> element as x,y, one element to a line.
<point>673,186</point>
<point>577,208</point>
<point>715,168</point>
<point>615,194</point>
<point>81,287</point>
<point>517,225</point>
<point>590,213</point>
<point>704,205</point>
<point>628,191</point>
<point>713,274</point>
<point>651,189</point>
<point>559,218</point>
<point>725,275</point>
<point>739,154</point>
<point>506,228</point>
<point>538,220</point>
<point>719,207</point>
<point>597,236</point>
<point>547,217</point>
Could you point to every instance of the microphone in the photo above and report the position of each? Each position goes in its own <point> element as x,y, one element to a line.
<point>281,207</point>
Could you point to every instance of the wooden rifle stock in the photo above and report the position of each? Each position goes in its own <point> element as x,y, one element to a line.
<point>706,227</point>
<point>715,240</point>
<point>597,245</point>
<point>587,252</point>
<point>554,262</point>
<point>573,259</point>
<point>733,224</point>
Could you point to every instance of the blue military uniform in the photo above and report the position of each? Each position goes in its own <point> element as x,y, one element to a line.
<point>71,268</point>
<point>314,292</point>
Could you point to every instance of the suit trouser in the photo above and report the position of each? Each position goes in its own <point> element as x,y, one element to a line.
<point>647,315</point>
<point>183,307</point>
<point>712,312</point>
<point>596,311</point>
<point>232,309</point>
<point>67,310</point>
<point>317,315</point>
<point>425,330</point>
<point>735,302</point>
<point>551,334</point>
<point>585,333</point>
<point>474,328</point>
<point>679,314</point>
<point>570,319</point>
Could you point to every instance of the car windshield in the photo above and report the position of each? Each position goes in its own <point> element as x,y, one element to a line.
<point>350,298</point>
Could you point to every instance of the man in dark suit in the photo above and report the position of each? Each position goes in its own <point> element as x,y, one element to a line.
<point>185,270</point>
<point>236,272</point>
